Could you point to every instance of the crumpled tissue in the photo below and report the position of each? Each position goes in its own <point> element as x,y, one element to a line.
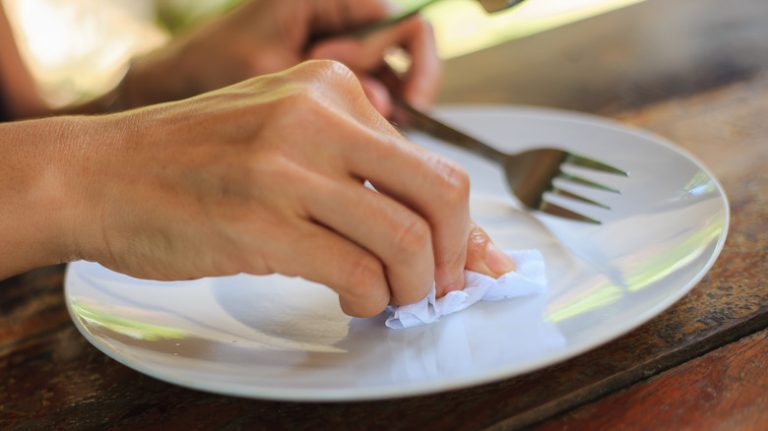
<point>528,278</point>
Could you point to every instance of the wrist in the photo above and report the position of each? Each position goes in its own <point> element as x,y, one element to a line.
<point>89,146</point>
<point>37,192</point>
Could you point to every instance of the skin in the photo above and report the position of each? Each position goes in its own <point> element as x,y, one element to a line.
<point>264,37</point>
<point>251,177</point>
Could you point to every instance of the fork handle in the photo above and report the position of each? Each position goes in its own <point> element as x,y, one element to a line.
<point>435,128</point>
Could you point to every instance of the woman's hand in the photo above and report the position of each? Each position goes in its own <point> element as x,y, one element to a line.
<point>266,36</point>
<point>267,176</point>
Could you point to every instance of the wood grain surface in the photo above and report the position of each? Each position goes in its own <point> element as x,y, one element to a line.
<point>713,101</point>
<point>723,390</point>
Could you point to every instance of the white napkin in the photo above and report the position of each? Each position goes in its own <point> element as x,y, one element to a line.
<point>530,277</point>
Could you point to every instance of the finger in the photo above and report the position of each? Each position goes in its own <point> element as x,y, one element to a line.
<point>423,78</point>
<point>377,94</point>
<point>434,187</point>
<point>356,275</point>
<point>484,256</point>
<point>415,35</point>
<point>400,238</point>
<point>367,53</point>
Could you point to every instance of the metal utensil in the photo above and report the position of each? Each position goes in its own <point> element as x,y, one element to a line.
<point>529,174</point>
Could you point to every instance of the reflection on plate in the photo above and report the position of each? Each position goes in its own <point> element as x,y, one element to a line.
<point>286,338</point>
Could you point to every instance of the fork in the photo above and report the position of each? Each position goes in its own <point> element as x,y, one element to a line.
<point>530,174</point>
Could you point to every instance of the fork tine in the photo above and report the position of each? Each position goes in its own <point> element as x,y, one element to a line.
<point>557,210</point>
<point>586,182</point>
<point>585,162</point>
<point>574,196</point>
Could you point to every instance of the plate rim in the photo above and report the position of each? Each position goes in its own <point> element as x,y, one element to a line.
<point>501,373</point>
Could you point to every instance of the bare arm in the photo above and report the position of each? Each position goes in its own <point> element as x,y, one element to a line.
<point>34,197</point>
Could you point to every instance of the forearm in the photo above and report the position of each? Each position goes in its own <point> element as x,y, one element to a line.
<point>36,194</point>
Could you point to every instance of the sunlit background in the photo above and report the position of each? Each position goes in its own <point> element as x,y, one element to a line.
<point>76,49</point>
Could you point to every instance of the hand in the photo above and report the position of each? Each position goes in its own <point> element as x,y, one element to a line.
<point>266,36</point>
<point>266,176</point>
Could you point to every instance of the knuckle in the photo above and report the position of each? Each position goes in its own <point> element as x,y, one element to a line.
<point>454,183</point>
<point>362,276</point>
<point>412,237</point>
<point>325,69</point>
<point>333,75</point>
<point>337,70</point>
<point>324,86</point>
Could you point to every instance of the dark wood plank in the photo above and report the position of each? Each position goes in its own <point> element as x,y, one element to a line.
<point>723,390</point>
<point>31,305</point>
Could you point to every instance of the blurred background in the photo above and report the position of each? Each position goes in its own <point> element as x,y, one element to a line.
<point>77,49</point>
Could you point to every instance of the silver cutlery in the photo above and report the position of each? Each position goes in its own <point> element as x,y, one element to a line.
<point>530,174</point>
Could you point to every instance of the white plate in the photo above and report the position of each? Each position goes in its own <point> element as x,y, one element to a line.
<point>283,338</point>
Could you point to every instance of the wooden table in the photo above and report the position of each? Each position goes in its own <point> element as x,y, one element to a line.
<point>695,71</point>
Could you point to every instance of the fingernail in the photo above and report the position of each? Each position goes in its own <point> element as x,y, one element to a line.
<point>497,260</point>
